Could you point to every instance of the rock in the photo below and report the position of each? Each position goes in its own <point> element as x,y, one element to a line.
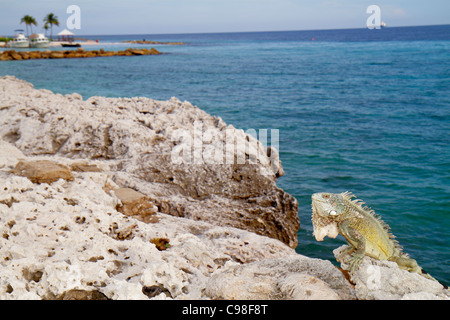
<point>79,53</point>
<point>108,54</point>
<point>77,294</point>
<point>153,51</point>
<point>25,55</point>
<point>384,280</point>
<point>135,204</point>
<point>46,54</point>
<point>73,54</point>
<point>84,167</point>
<point>290,278</point>
<point>154,42</point>
<point>68,241</point>
<point>137,52</point>
<point>74,96</point>
<point>154,291</point>
<point>161,243</point>
<point>124,53</point>
<point>10,155</point>
<point>236,194</point>
<point>56,55</point>
<point>43,171</point>
<point>275,162</point>
<point>90,54</point>
<point>35,55</point>
<point>5,57</point>
<point>15,55</point>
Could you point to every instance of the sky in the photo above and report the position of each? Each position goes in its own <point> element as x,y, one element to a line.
<point>201,16</point>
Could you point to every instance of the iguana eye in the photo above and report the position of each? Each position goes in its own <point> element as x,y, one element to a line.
<point>326,196</point>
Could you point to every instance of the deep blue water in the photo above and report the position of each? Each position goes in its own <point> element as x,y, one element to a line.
<point>361,110</point>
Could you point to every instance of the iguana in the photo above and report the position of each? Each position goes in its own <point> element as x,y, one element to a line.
<point>367,234</point>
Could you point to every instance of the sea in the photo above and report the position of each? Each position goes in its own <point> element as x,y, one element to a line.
<point>366,111</point>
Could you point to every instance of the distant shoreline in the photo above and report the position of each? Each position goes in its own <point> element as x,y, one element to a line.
<point>82,43</point>
<point>98,43</point>
<point>153,42</point>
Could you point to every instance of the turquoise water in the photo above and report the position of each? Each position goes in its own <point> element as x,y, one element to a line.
<point>361,110</point>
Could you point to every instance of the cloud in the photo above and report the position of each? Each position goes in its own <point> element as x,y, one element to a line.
<point>399,12</point>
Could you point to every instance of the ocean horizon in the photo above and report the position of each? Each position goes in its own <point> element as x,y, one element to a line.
<point>445,35</point>
<point>427,32</point>
<point>366,111</point>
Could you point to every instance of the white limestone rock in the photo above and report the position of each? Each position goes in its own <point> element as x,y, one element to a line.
<point>170,145</point>
<point>68,236</point>
<point>384,280</point>
<point>287,278</point>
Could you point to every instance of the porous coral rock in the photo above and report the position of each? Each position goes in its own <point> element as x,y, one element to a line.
<point>134,203</point>
<point>59,240</point>
<point>384,280</point>
<point>286,278</point>
<point>229,186</point>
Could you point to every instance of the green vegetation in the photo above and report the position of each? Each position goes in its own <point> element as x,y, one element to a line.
<point>29,21</point>
<point>161,243</point>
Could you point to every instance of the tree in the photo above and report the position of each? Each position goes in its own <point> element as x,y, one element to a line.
<point>29,21</point>
<point>46,27</point>
<point>51,20</point>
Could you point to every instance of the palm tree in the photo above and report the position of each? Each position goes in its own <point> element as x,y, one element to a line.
<point>29,20</point>
<point>46,27</point>
<point>51,19</point>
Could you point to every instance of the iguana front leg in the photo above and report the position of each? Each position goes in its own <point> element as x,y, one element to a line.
<point>356,240</point>
<point>346,251</point>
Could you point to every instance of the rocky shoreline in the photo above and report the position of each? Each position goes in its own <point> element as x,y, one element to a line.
<point>67,54</point>
<point>92,206</point>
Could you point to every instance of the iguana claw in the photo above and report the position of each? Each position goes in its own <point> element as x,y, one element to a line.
<point>355,261</point>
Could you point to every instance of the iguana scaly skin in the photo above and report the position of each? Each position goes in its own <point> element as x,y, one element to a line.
<point>366,233</point>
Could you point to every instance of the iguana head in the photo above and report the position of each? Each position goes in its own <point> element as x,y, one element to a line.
<point>326,208</point>
<point>327,204</point>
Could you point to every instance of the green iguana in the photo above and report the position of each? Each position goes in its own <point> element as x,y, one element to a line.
<point>366,233</point>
